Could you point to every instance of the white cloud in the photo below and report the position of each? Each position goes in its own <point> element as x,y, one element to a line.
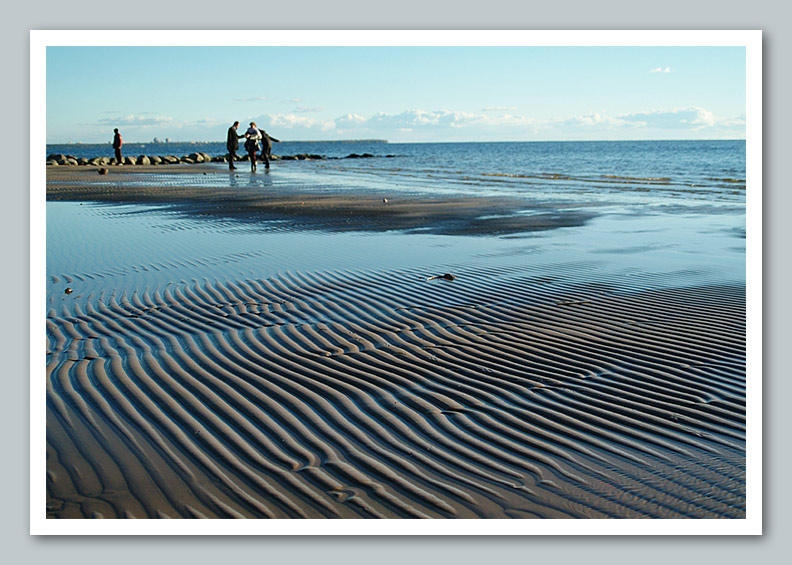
<point>661,70</point>
<point>499,109</point>
<point>691,119</point>
<point>133,120</point>
<point>679,118</point>
<point>253,99</point>
<point>598,119</point>
<point>295,122</point>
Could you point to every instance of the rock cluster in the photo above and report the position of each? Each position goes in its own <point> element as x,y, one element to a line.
<point>61,159</point>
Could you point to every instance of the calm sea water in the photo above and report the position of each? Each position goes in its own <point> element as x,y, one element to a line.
<point>672,171</point>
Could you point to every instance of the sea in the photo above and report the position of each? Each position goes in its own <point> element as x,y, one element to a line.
<point>672,211</point>
<point>700,171</point>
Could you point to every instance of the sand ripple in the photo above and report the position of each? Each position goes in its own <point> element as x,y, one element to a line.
<point>383,394</point>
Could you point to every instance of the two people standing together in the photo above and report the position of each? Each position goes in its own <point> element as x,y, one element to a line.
<point>255,140</point>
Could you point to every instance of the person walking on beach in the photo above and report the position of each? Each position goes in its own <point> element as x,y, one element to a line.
<point>232,144</point>
<point>252,145</point>
<point>266,147</point>
<point>117,147</point>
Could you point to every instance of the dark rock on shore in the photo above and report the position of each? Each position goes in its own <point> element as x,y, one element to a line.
<point>197,157</point>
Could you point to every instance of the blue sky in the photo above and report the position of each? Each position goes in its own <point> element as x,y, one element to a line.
<point>402,94</point>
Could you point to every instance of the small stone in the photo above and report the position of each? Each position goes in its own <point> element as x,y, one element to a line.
<point>69,290</point>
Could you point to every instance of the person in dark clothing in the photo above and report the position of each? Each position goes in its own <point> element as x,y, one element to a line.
<point>266,147</point>
<point>117,147</point>
<point>232,144</point>
<point>252,144</point>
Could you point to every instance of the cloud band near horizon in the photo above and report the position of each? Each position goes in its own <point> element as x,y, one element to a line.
<point>443,125</point>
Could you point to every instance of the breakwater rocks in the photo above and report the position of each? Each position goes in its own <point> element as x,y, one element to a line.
<point>59,159</point>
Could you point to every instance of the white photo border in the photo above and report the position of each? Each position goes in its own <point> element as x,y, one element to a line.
<point>750,39</point>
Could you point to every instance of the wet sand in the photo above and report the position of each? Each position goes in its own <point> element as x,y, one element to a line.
<point>337,210</point>
<point>516,391</point>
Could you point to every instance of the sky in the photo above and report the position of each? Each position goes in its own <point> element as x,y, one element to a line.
<point>400,94</point>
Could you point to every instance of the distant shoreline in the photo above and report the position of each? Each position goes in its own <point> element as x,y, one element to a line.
<point>216,141</point>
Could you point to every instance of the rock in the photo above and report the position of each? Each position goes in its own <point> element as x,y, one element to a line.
<point>82,161</point>
<point>188,160</point>
<point>195,157</point>
<point>155,160</point>
<point>103,171</point>
<point>206,157</point>
<point>52,163</point>
<point>143,160</point>
<point>129,160</point>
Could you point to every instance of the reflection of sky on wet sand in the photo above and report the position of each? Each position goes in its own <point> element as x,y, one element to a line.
<point>127,248</point>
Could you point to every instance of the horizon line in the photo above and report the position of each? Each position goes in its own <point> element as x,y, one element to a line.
<point>373,140</point>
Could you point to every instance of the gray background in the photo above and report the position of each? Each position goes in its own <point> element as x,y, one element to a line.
<point>772,16</point>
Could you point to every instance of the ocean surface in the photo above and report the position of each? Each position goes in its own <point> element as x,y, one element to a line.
<point>704,171</point>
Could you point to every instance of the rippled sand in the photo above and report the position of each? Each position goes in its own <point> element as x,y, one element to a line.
<point>513,391</point>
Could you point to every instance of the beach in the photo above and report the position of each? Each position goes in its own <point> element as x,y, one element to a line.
<point>231,345</point>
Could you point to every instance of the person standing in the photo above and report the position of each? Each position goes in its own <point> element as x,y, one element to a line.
<point>266,147</point>
<point>117,147</point>
<point>232,144</point>
<point>253,136</point>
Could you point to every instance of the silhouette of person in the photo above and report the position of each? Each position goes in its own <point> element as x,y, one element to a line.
<point>117,147</point>
<point>252,145</point>
<point>266,147</point>
<point>232,144</point>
